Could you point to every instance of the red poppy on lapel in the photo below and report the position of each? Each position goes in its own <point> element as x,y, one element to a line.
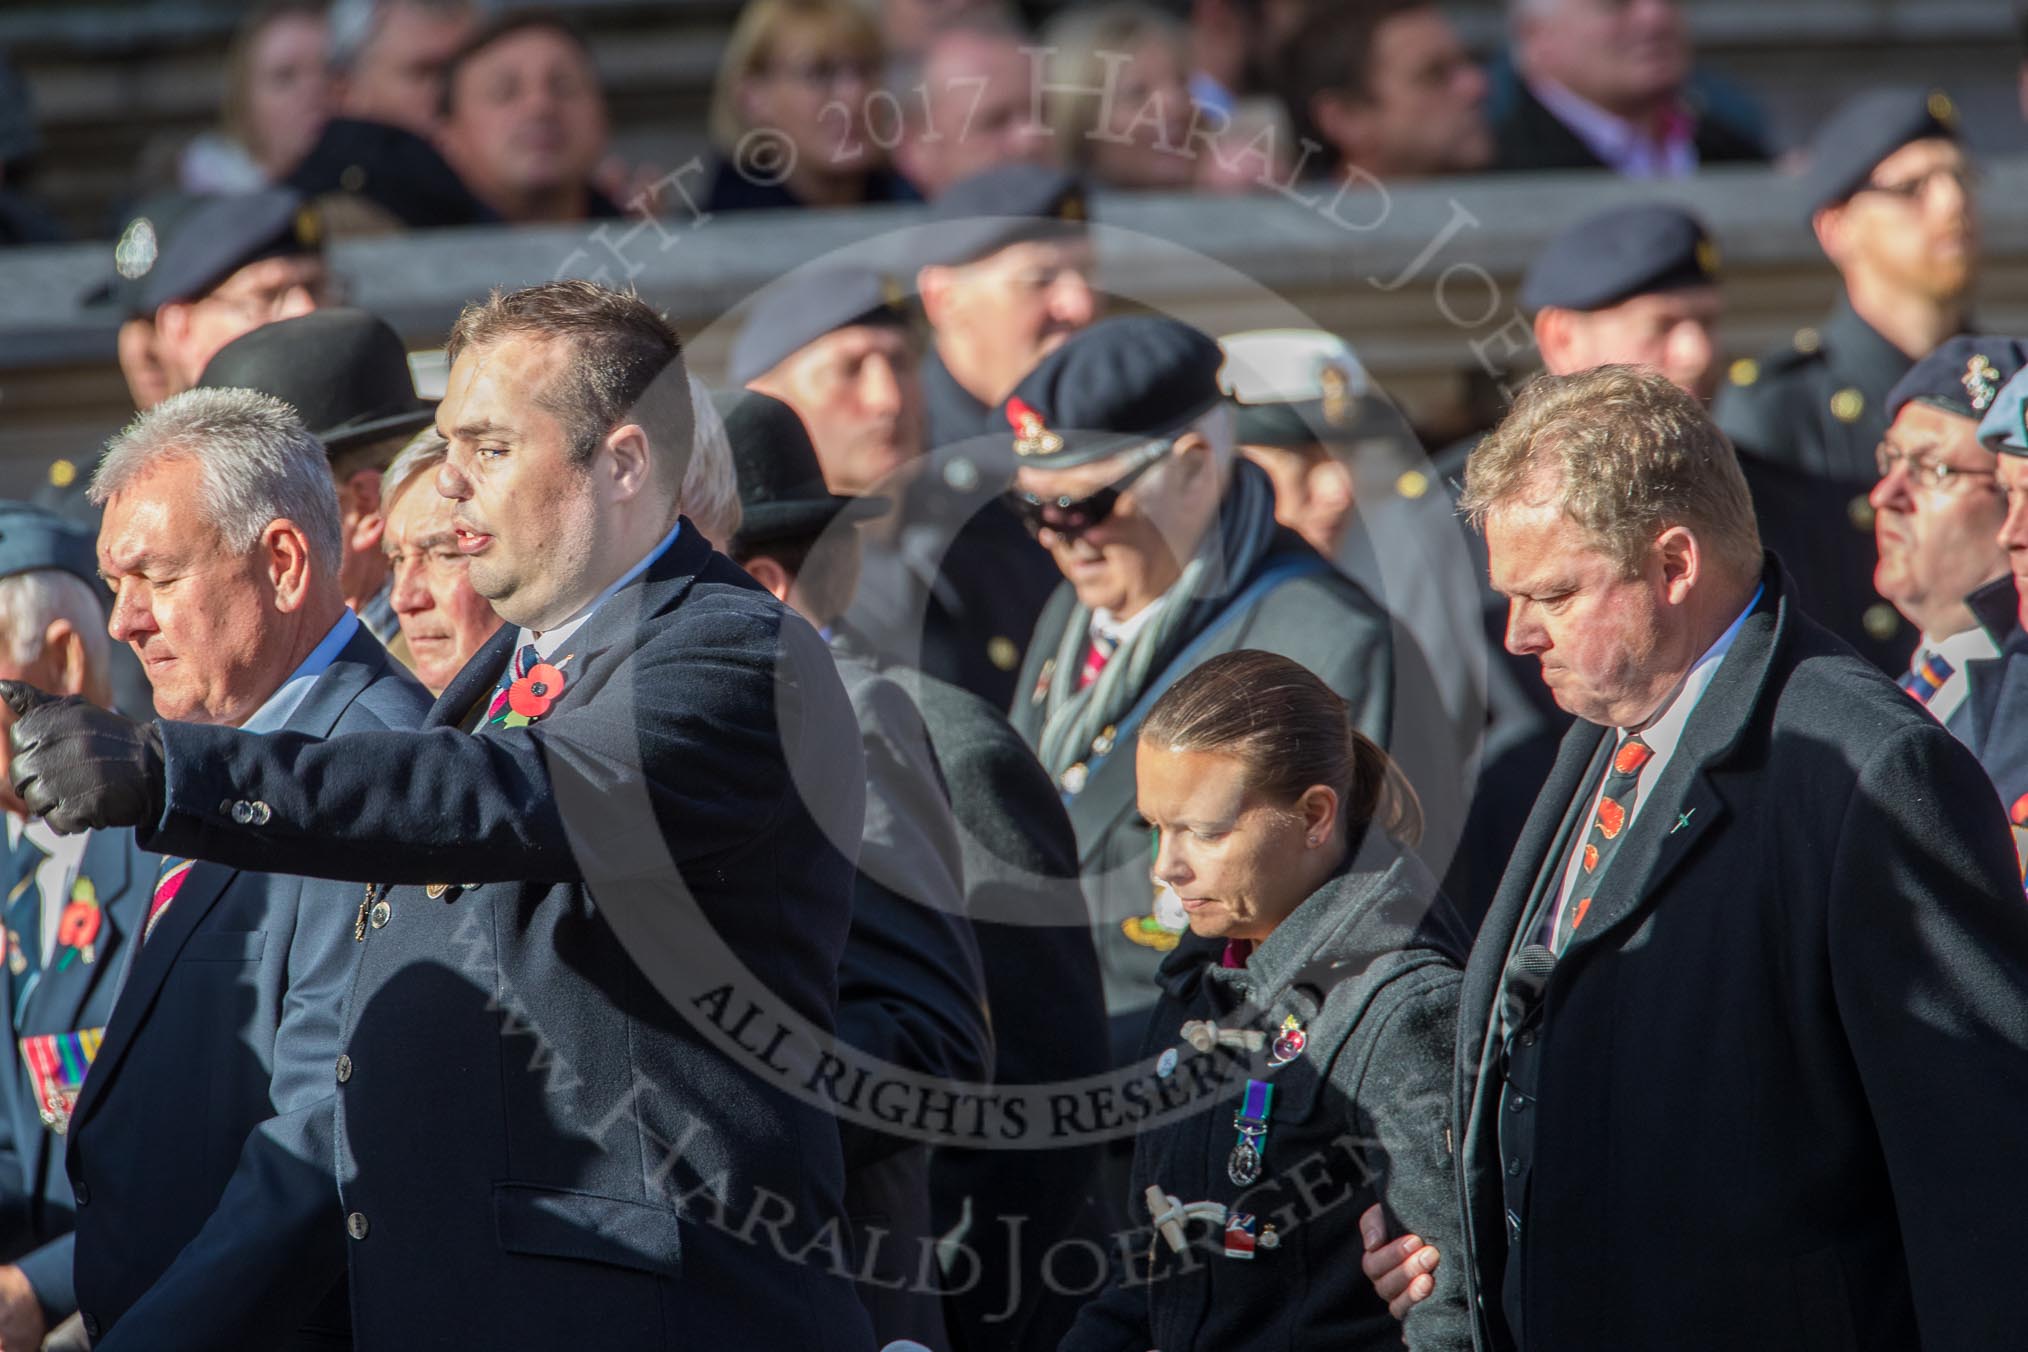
<point>532,695</point>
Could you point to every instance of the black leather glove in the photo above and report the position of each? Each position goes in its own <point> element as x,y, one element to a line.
<point>80,767</point>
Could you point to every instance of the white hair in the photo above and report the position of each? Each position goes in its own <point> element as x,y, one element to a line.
<point>30,602</point>
<point>710,492</point>
<point>257,464</point>
<point>355,23</point>
<point>424,452</point>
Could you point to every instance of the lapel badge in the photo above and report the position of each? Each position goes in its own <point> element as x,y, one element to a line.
<point>57,1063</point>
<point>17,961</point>
<point>1031,435</point>
<point>1981,381</point>
<point>77,930</point>
<point>1042,681</point>
<point>530,697</point>
<point>137,249</point>
<point>1165,1064</point>
<point>1288,1043</point>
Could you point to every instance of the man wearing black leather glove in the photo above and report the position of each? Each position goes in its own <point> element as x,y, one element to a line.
<point>80,767</point>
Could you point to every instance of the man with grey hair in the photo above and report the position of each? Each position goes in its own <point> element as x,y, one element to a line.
<point>443,620</point>
<point>1171,554</point>
<point>1755,986</point>
<point>71,909</point>
<point>218,1226</point>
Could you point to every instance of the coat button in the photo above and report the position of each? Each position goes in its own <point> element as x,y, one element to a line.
<point>380,914</point>
<point>344,1068</point>
<point>435,891</point>
<point>261,813</point>
<point>355,1225</point>
<point>1517,1103</point>
<point>81,1193</point>
<point>1513,1171</point>
<point>242,812</point>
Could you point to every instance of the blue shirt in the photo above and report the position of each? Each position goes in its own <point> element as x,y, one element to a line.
<point>282,705</point>
<point>549,640</point>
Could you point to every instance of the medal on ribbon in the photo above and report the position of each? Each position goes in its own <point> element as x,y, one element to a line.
<point>1242,1166</point>
<point>1289,1042</point>
<point>57,1063</point>
<point>77,930</point>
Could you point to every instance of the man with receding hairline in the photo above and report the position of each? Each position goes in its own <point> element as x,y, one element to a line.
<point>1762,922</point>
<point>628,818</point>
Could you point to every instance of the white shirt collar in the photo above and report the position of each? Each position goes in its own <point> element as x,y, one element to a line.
<point>1104,625</point>
<point>1971,645</point>
<point>289,696</point>
<point>549,640</point>
<point>1665,729</point>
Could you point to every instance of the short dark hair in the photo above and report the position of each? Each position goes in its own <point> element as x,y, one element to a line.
<point>1331,52</point>
<point>828,588</point>
<point>505,25</point>
<point>629,363</point>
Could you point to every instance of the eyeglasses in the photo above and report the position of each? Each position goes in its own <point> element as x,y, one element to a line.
<point>1071,517</point>
<point>1933,474</point>
<point>1965,176</point>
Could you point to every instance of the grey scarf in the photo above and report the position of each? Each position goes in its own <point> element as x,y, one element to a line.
<point>1224,559</point>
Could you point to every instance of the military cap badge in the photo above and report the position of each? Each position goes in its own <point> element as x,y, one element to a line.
<point>1336,395</point>
<point>1031,435</point>
<point>137,249</point>
<point>1981,382</point>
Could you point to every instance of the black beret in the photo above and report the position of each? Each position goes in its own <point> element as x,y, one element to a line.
<point>178,248</point>
<point>1865,130</point>
<point>1963,376</point>
<point>392,168</point>
<point>33,539</point>
<point>1118,384</point>
<point>786,319</point>
<point>1618,254</point>
<point>1006,205</point>
<point>782,494</point>
<point>344,370</point>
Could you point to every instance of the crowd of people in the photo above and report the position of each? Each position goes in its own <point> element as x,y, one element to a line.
<point>1005,822</point>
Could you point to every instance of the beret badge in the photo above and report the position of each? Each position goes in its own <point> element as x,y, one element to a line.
<point>1981,382</point>
<point>1031,435</point>
<point>136,251</point>
<point>1336,395</point>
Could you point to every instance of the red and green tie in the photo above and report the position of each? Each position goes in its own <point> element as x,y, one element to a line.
<point>1608,829</point>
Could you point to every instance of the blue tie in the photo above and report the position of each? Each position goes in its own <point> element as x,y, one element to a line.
<point>24,921</point>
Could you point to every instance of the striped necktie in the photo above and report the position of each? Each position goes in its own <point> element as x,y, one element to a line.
<point>1926,675</point>
<point>496,709</point>
<point>1095,657</point>
<point>24,919</point>
<point>167,885</point>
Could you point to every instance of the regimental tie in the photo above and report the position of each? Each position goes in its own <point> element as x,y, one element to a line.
<point>496,709</point>
<point>24,921</point>
<point>167,885</point>
<point>1095,658</point>
<point>1927,675</point>
<point>1608,829</point>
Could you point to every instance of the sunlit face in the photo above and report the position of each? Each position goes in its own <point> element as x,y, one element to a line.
<point>1609,651</point>
<point>1313,493</point>
<point>1926,244</point>
<point>814,89</point>
<point>977,112</point>
<point>290,93</point>
<point>857,391</point>
<point>527,117</point>
<point>1125,562</point>
<point>1617,53</point>
<point>1144,140</point>
<point>1428,99</point>
<point>196,612</point>
<point>399,76</point>
<point>526,516</point>
<point>1937,542</point>
<point>441,617</point>
<point>188,334</point>
<point>1674,332</point>
<point>1232,856</point>
<point>1012,308</point>
<point>2013,472</point>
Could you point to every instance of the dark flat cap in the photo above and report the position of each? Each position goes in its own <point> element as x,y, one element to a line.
<point>2005,427</point>
<point>787,319</point>
<point>1118,384</point>
<point>782,494</point>
<point>1865,130</point>
<point>344,370</point>
<point>1963,376</point>
<point>32,539</point>
<point>179,247</point>
<point>1293,387</point>
<point>1618,254</point>
<point>1006,205</point>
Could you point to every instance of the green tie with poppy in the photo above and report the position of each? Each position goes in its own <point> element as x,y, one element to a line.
<point>1608,829</point>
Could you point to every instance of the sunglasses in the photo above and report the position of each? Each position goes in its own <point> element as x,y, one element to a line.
<point>1071,517</point>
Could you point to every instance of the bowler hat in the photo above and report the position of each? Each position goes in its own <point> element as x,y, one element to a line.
<point>782,494</point>
<point>345,371</point>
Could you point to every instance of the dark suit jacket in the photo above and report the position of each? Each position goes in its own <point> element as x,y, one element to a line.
<point>563,1057</point>
<point>200,1146</point>
<point>910,990</point>
<point>1019,861</point>
<point>1318,617</point>
<point>1771,1060</point>
<point>68,996</point>
<point>1526,135</point>
<point>1993,718</point>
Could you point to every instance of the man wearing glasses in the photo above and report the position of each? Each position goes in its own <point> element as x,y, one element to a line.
<point>1890,191</point>
<point>1128,474</point>
<point>1937,516</point>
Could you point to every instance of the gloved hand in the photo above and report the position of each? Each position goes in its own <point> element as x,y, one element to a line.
<point>80,767</point>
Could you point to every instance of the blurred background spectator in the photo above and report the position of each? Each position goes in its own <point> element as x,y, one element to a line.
<point>1235,47</point>
<point>1117,95</point>
<point>279,93</point>
<point>390,56</point>
<point>789,113</point>
<point>1388,88</point>
<point>22,219</point>
<point>967,104</point>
